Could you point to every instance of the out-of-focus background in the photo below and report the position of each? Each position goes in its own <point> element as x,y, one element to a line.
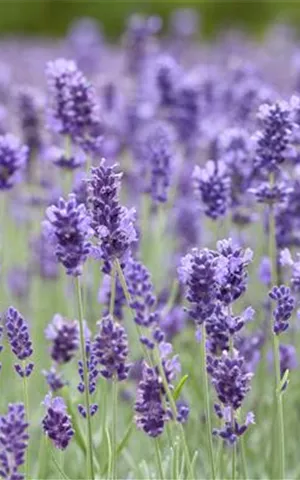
<point>50,17</point>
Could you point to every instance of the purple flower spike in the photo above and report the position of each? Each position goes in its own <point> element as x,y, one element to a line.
<point>73,108</point>
<point>230,378</point>
<point>231,429</point>
<point>93,372</point>
<point>141,290</point>
<point>13,158</point>
<point>54,379</point>
<point>61,160</point>
<point>64,335</point>
<point>110,348</point>
<point>157,151</point>
<point>30,102</point>
<point>273,140</point>
<point>112,223</point>
<point>212,184</point>
<point>150,413</point>
<point>57,423</point>
<point>69,225</point>
<point>233,276</point>
<point>284,309</point>
<point>198,271</point>
<point>13,441</point>
<point>19,340</point>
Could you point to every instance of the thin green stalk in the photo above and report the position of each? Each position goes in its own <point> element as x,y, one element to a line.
<point>219,473</point>
<point>112,290</point>
<point>278,397</point>
<point>161,371</point>
<point>207,403</point>
<point>90,464</point>
<point>233,473</point>
<point>243,459</point>
<point>114,381</point>
<point>158,459</point>
<point>114,428</point>
<point>58,467</point>
<point>26,404</point>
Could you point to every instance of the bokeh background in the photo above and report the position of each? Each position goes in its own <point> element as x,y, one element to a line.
<point>50,17</point>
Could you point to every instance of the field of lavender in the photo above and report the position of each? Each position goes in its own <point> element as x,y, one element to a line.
<point>150,274</point>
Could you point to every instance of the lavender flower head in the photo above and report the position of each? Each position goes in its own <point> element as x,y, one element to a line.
<point>273,140</point>
<point>13,441</point>
<point>112,222</point>
<point>44,258</point>
<point>213,186</point>
<point>73,109</point>
<point>19,340</point>
<point>198,272</point>
<point>287,260</point>
<point>64,335</point>
<point>69,225</point>
<point>233,276</point>
<point>54,379</point>
<point>141,290</point>
<point>13,158</point>
<point>230,378</point>
<point>57,423</point>
<point>30,102</point>
<point>150,414</point>
<point>110,348</point>
<point>157,150</point>
<point>285,304</point>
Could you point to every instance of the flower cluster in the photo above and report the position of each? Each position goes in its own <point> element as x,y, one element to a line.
<point>64,337</point>
<point>13,158</point>
<point>113,223</point>
<point>19,340</point>
<point>110,348</point>
<point>69,226</point>
<point>13,441</point>
<point>57,423</point>
<point>213,185</point>
<point>284,308</point>
<point>157,159</point>
<point>73,107</point>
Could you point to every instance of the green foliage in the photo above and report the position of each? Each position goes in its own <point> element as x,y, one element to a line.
<point>51,17</point>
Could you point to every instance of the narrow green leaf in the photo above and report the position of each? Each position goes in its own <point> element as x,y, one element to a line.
<point>178,389</point>
<point>58,467</point>
<point>109,448</point>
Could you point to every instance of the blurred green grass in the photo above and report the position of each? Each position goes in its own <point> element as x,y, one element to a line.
<point>51,17</point>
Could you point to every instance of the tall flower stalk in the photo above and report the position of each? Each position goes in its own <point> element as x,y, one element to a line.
<point>207,402</point>
<point>68,226</point>
<point>158,361</point>
<point>273,142</point>
<point>90,464</point>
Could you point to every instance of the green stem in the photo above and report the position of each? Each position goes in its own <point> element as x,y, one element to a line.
<point>112,290</point>
<point>161,371</point>
<point>278,397</point>
<point>90,465</point>
<point>207,403</point>
<point>233,473</point>
<point>243,459</point>
<point>158,459</point>
<point>114,380</point>
<point>26,403</point>
<point>114,427</point>
<point>58,467</point>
